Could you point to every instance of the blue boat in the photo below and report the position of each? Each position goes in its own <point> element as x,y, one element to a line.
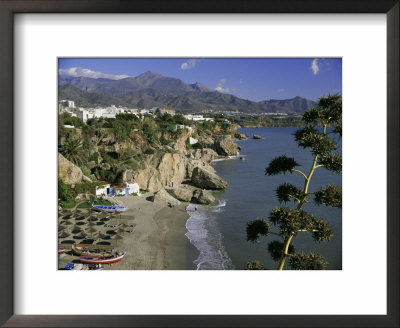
<point>109,208</point>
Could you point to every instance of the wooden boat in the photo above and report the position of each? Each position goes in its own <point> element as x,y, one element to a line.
<point>79,250</point>
<point>61,250</point>
<point>109,208</point>
<point>102,260</point>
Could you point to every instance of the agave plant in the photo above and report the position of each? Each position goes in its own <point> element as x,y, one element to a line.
<point>292,221</point>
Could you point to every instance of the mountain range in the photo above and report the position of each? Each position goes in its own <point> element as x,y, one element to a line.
<point>154,90</point>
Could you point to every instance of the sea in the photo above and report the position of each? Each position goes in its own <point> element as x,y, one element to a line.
<point>218,232</point>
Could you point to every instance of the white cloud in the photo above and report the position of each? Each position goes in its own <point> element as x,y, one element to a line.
<point>85,72</point>
<point>241,81</point>
<point>220,87</point>
<point>281,90</point>
<point>191,63</point>
<point>314,66</point>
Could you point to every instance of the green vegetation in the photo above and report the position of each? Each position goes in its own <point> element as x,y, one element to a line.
<point>292,221</point>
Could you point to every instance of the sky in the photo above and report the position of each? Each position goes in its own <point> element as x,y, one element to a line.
<point>254,79</point>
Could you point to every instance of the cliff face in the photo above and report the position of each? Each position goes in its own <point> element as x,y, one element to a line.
<point>69,172</point>
<point>173,168</point>
<point>152,165</point>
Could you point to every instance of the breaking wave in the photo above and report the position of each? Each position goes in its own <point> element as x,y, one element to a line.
<point>203,233</point>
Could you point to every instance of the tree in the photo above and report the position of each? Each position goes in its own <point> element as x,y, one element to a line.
<point>72,150</point>
<point>292,221</point>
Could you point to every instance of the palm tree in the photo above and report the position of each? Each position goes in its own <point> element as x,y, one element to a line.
<point>72,150</point>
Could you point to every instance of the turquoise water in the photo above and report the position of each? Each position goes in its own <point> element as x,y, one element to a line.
<point>219,232</point>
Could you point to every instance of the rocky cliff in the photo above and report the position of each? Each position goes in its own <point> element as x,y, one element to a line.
<point>69,172</point>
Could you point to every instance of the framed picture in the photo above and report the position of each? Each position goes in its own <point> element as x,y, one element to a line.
<point>34,70</point>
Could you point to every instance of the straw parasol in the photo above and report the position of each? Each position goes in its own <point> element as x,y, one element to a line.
<point>61,228</point>
<point>101,235</point>
<point>66,212</point>
<point>120,230</point>
<point>91,230</point>
<point>63,234</point>
<point>92,218</point>
<point>67,223</point>
<point>116,238</point>
<point>67,217</point>
<point>82,234</point>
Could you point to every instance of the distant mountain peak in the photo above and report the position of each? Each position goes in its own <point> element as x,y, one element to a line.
<point>199,87</point>
<point>149,73</point>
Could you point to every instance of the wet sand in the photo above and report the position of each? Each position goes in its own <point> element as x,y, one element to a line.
<point>158,241</point>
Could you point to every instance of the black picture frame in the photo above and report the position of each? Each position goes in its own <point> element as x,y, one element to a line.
<point>10,7</point>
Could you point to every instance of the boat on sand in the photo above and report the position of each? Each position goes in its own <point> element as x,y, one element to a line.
<point>81,250</point>
<point>102,260</point>
<point>109,208</point>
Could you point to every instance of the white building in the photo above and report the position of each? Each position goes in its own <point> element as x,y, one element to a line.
<point>126,189</point>
<point>84,115</point>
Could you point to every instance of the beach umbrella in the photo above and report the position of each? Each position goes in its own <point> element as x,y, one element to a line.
<point>116,238</point>
<point>82,234</point>
<point>101,235</point>
<point>67,223</point>
<point>60,228</point>
<point>91,224</point>
<point>80,217</point>
<point>63,234</point>
<point>76,229</point>
<point>120,230</point>
<point>66,212</point>
<point>92,218</point>
<point>67,217</point>
<point>91,230</point>
<point>100,223</point>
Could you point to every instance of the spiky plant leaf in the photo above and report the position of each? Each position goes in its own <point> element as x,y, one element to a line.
<point>254,265</point>
<point>286,191</point>
<point>312,261</point>
<point>275,249</point>
<point>281,164</point>
<point>318,142</point>
<point>331,195</point>
<point>257,228</point>
<point>332,162</point>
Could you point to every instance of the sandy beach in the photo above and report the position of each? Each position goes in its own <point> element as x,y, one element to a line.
<point>158,241</point>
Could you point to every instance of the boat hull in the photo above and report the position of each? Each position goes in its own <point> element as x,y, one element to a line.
<point>101,260</point>
<point>89,252</point>
<point>109,209</point>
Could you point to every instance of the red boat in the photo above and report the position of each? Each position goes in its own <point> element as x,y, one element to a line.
<point>61,250</point>
<point>102,260</point>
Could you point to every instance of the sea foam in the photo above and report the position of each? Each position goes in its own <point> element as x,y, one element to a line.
<point>204,235</point>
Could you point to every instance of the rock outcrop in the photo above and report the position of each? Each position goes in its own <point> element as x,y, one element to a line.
<point>192,164</point>
<point>181,193</point>
<point>203,197</point>
<point>171,170</point>
<point>163,196</point>
<point>205,154</point>
<point>255,136</point>
<point>69,172</point>
<point>207,180</point>
<point>225,146</point>
<point>241,136</point>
